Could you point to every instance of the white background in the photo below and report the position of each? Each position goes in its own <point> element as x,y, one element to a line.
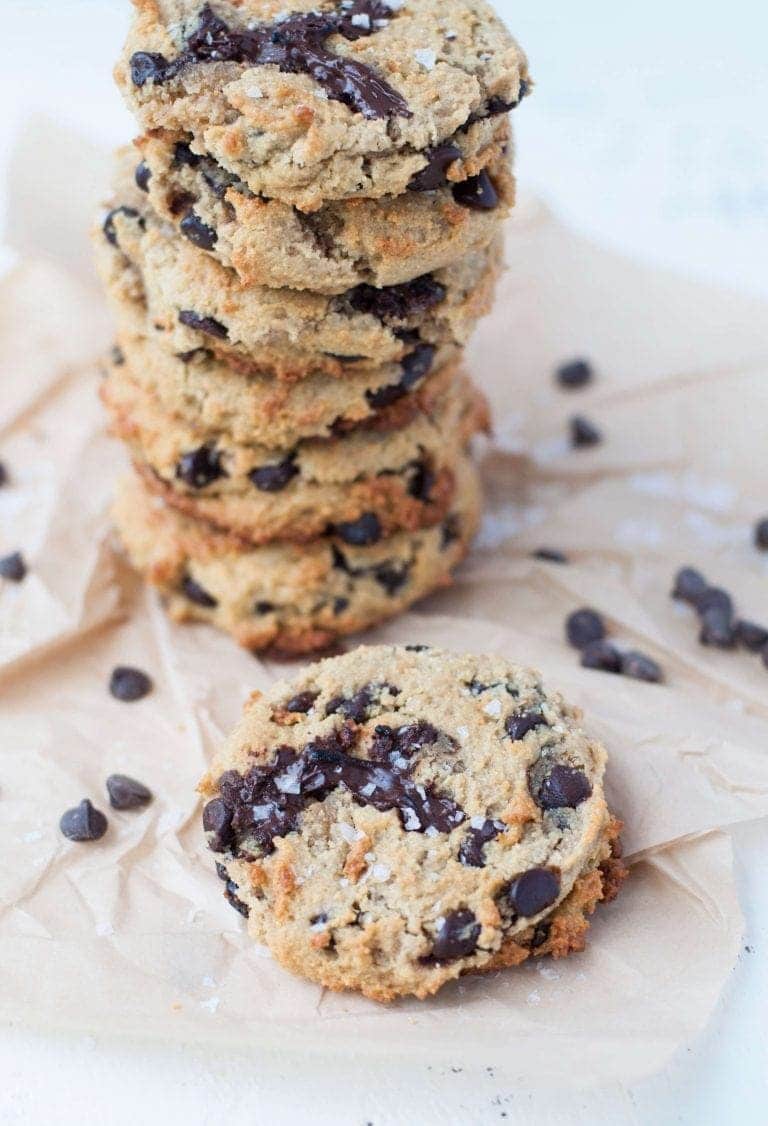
<point>649,131</point>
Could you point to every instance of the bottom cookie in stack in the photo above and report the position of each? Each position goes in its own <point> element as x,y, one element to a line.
<point>397,817</point>
<point>295,597</point>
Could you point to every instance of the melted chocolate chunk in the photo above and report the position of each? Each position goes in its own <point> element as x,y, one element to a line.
<point>183,155</point>
<point>198,232</point>
<point>432,176</point>
<point>209,325</point>
<point>533,891</point>
<point>110,234</point>
<point>583,432</point>
<point>268,801</point>
<point>233,899</point>
<point>640,667</point>
<point>142,176</point>
<point>601,655</point>
<point>127,793</point>
<point>422,481</point>
<point>357,707</point>
<point>396,745</point>
<point>689,586</point>
<point>129,684</point>
<point>584,626</point>
<point>197,594</point>
<point>456,937</point>
<point>751,636</point>
<point>564,787</point>
<point>576,373</point>
<point>13,567</point>
<point>414,366</point>
<point>471,850</point>
<point>296,46</point>
<point>301,702</point>
<point>200,467</point>
<point>519,725</point>
<point>391,576</point>
<point>396,302</point>
<point>363,532</point>
<point>273,478</point>
<point>478,193</point>
<point>83,823</point>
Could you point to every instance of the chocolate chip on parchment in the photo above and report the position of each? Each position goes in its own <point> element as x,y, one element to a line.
<point>689,586</point>
<point>575,373</point>
<point>601,655</point>
<point>362,532</point>
<point>583,432</point>
<point>477,193</point>
<point>584,626</point>
<point>83,823</point>
<point>715,598</point>
<point>13,567</point>
<point>197,594</point>
<point>717,628</point>
<point>751,636</point>
<point>456,937</point>
<point>198,232</point>
<point>129,684</point>
<point>127,793</point>
<point>533,891</point>
<point>641,667</point>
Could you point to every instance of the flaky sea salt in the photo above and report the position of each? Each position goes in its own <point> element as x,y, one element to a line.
<point>361,19</point>
<point>380,873</point>
<point>426,56</point>
<point>349,832</point>
<point>493,707</point>
<point>254,91</point>
<point>462,732</point>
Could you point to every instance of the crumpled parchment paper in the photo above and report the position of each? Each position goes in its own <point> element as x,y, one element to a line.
<point>131,935</point>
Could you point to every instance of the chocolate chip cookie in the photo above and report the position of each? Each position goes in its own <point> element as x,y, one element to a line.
<point>327,101</point>
<point>294,597</point>
<point>397,817</point>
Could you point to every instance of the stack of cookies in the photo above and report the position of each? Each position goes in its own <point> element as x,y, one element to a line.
<point>297,251</point>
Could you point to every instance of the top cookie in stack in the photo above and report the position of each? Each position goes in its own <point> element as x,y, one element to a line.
<point>296,256</point>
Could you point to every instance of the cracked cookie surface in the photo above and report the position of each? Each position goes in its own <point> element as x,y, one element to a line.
<point>294,597</point>
<point>399,816</point>
<point>325,101</point>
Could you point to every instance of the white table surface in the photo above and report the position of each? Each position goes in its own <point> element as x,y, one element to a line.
<point>648,131</point>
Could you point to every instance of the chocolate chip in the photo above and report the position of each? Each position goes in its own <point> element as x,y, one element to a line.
<point>601,655</point>
<point>362,532</point>
<point>142,176</point>
<point>200,467</point>
<point>583,432</point>
<point>584,626</point>
<point>550,555</point>
<point>198,232</point>
<point>3,474</point>
<point>396,302</point>
<point>263,607</point>
<point>129,684</point>
<point>421,482</point>
<point>233,899</point>
<point>471,849</point>
<point>532,892</point>
<point>117,356</point>
<point>12,567</point>
<point>416,648</point>
<point>110,234</point>
<point>715,598</point>
<point>689,586</point>
<point>761,534</point>
<point>301,702</point>
<point>456,937</point>
<point>356,707</point>
<point>432,176</point>
<point>197,594</point>
<point>83,823</point>
<point>391,576</point>
<point>478,193</point>
<point>519,725</point>
<point>641,667</point>
<point>183,155</point>
<point>194,354</point>
<point>415,366</point>
<point>540,935</point>
<point>563,787</point>
<point>295,45</point>
<point>217,823</point>
<point>127,793</point>
<point>450,530</point>
<point>340,605</point>
<point>209,325</point>
<point>576,373</point>
<point>751,636</point>
<point>273,478</point>
<point>717,628</point>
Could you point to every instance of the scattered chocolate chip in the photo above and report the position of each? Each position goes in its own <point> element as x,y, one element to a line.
<point>550,555</point>
<point>456,937</point>
<point>396,302</point>
<point>142,176</point>
<point>197,594</point>
<point>217,823</point>
<point>689,586</point>
<point>601,655</point>
<point>583,432</point>
<point>422,481</point>
<point>564,787</point>
<point>478,193</point>
<point>129,684</point>
<point>471,849</point>
<point>209,325</point>
<point>198,232</point>
<point>640,667</point>
<point>110,234</point>
<point>83,823</point>
<point>540,935</point>
<point>415,365</point>
<point>715,598</point>
<point>127,793</point>
<point>301,702</point>
<point>533,891</point>
<point>391,576</point>
<point>200,467</point>
<point>263,607</point>
<point>340,605</point>
<point>584,626</point>
<point>761,534</point>
<point>450,531</point>
<point>273,478</point>
<point>356,707</point>
<point>751,636</point>
<point>295,45</point>
<point>717,628</point>
<point>432,176</point>
<point>362,532</point>
<point>576,373</point>
<point>12,567</point>
<point>519,725</point>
